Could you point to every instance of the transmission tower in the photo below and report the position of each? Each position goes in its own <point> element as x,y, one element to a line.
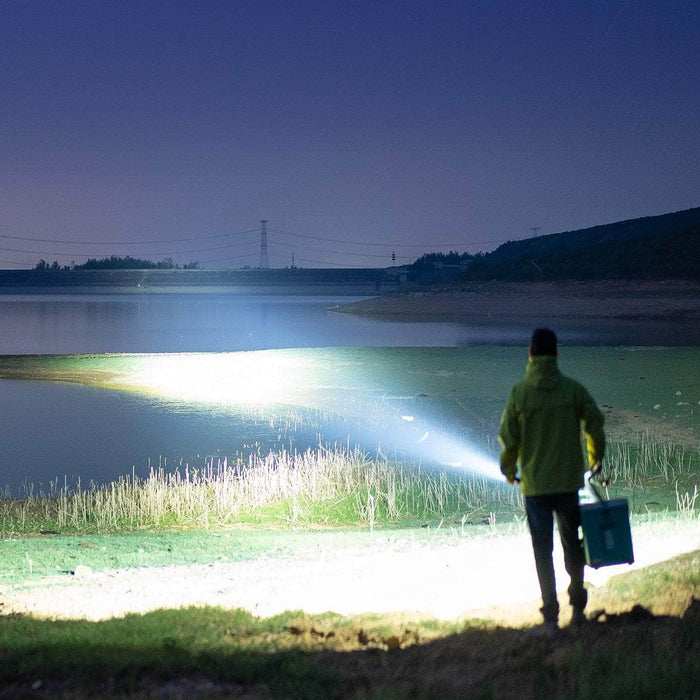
<point>535,231</point>
<point>264,260</point>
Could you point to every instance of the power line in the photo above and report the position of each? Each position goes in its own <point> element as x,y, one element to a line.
<point>330,264</point>
<point>87,255</point>
<point>13,262</point>
<point>222,260</point>
<point>171,240</point>
<point>240,233</point>
<point>288,247</point>
<point>384,245</point>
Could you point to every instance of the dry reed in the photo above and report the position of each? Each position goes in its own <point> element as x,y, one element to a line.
<point>324,486</point>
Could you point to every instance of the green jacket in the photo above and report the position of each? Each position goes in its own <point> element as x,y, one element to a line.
<point>541,428</point>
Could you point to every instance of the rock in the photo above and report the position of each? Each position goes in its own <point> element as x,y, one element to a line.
<point>82,571</point>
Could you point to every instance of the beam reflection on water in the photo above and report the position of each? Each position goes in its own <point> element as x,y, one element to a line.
<point>358,396</point>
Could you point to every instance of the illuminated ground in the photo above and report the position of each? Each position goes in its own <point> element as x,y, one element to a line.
<point>461,577</point>
<point>484,575</point>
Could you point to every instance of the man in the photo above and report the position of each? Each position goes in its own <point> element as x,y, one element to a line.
<point>541,429</point>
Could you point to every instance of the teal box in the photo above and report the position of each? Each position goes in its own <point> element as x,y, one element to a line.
<point>607,538</point>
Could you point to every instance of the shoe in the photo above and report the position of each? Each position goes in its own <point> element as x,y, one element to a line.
<point>547,630</point>
<point>578,619</point>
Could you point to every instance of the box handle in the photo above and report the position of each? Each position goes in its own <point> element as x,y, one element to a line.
<point>588,480</point>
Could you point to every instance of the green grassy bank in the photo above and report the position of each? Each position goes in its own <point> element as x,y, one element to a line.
<point>216,653</point>
<point>651,398</point>
<point>281,502</point>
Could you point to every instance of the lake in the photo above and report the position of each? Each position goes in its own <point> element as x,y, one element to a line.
<point>54,430</point>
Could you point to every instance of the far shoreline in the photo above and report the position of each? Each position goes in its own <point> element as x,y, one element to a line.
<point>670,300</point>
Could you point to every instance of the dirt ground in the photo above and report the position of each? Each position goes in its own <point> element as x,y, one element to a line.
<point>457,578</point>
<point>458,575</point>
<point>600,299</point>
<point>444,582</point>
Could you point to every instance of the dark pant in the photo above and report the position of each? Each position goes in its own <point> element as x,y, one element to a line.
<point>541,511</point>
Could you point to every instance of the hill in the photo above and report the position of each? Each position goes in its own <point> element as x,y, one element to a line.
<point>654,247</point>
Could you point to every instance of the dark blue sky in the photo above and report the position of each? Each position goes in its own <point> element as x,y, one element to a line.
<point>355,128</point>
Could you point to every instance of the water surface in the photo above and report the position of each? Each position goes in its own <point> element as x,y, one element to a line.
<point>54,430</point>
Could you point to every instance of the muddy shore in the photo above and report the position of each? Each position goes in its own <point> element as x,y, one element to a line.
<point>643,300</point>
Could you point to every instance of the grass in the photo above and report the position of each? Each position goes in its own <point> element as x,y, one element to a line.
<point>456,388</point>
<point>275,501</point>
<point>328,487</point>
<point>323,487</point>
<point>657,583</point>
<point>636,463</point>
<point>656,475</point>
<point>210,652</point>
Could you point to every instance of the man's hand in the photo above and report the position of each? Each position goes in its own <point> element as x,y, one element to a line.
<point>513,480</point>
<point>597,472</point>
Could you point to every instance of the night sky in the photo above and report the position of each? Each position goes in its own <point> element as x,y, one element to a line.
<point>170,129</point>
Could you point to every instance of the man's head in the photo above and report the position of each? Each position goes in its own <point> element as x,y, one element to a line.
<point>543,342</point>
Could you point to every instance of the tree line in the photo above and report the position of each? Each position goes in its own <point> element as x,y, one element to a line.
<point>117,262</point>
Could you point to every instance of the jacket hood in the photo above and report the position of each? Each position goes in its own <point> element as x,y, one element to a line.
<point>542,372</point>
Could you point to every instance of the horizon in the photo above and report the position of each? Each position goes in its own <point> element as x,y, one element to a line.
<point>169,264</point>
